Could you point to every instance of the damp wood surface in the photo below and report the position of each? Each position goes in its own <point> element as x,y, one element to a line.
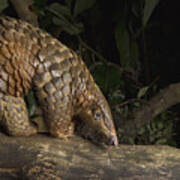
<point>43,157</point>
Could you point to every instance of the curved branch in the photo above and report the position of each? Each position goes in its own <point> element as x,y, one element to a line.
<point>23,10</point>
<point>165,99</point>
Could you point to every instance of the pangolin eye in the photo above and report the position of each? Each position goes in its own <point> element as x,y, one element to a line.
<point>98,115</point>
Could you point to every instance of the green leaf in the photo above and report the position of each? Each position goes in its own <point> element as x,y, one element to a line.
<point>151,138</point>
<point>142,92</point>
<point>82,5</point>
<point>141,131</point>
<point>123,43</point>
<point>31,103</point>
<point>108,76</point>
<point>40,3</point>
<point>69,3</point>
<point>127,47</point>
<point>148,10</point>
<point>153,125</point>
<point>131,140</point>
<point>161,141</point>
<point>137,104</point>
<point>62,17</point>
<point>134,54</point>
<point>72,29</point>
<point>160,125</point>
<point>60,9</point>
<point>3,5</point>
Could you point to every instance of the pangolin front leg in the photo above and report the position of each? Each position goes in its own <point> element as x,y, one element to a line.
<point>55,100</point>
<point>53,90</point>
<point>14,117</point>
<point>57,115</point>
<point>59,122</point>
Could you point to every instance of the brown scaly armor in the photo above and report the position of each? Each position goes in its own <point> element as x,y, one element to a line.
<point>31,59</point>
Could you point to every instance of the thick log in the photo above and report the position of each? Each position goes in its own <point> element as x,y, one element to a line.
<point>43,157</point>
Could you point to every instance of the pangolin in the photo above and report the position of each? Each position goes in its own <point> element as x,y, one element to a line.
<point>31,59</point>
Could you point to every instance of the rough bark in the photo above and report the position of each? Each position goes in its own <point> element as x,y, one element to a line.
<point>42,157</point>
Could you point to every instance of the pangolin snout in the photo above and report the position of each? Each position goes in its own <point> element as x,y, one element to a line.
<point>113,140</point>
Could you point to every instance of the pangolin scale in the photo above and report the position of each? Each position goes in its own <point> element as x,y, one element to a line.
<point>31,59</point>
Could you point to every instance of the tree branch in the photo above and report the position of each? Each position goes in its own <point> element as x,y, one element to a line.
<point>23,10</point>
<point>165,99</point>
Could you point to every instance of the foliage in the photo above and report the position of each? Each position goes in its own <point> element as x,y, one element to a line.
<point>130,20</point>
<point>62,15</point>
<point>159,131</point>
<point>148,10</point>
<point>107,75</point>
<point>127,32</point>
<point>31,103</point>
<point>3,5</point>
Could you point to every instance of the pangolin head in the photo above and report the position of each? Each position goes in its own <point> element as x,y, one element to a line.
<point>97,121</point>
